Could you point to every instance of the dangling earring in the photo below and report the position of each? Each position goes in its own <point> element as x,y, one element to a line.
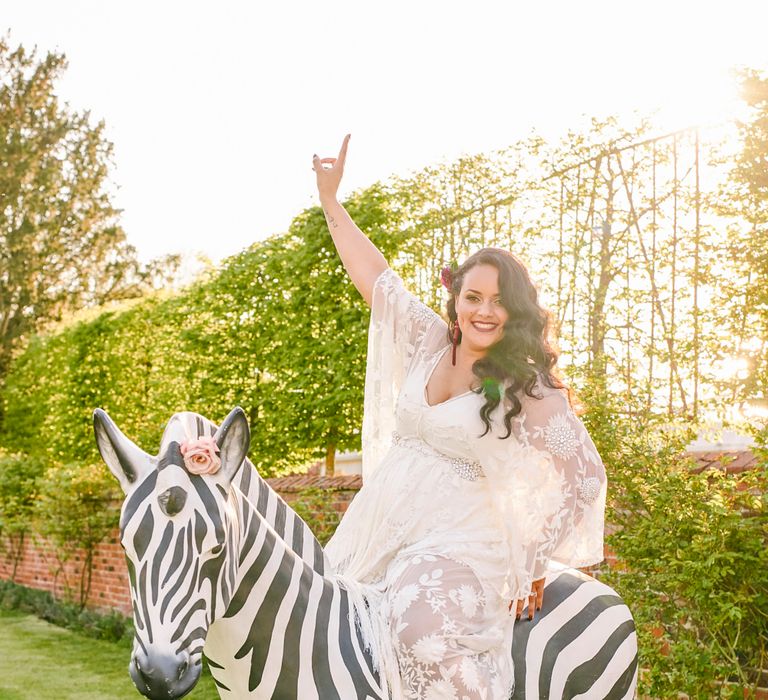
<point>455,341</point>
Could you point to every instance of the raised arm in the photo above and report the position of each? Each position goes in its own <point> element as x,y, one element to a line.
<point>361,258</point>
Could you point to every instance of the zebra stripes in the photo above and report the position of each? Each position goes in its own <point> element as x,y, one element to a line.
<point>582,644</point>
<point>287,630</point>
<point>222,561</point>
<point>285,521</point>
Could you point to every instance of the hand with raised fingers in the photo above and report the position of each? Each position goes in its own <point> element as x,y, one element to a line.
<point>329,171</point>
<point>534,600</point>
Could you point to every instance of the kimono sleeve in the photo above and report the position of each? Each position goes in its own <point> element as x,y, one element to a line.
<point>550,489</point>
<point>401,328</point>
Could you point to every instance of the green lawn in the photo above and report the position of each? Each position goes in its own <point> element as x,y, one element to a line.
<point>40,660</point>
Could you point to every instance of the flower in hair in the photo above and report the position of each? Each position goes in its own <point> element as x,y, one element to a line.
<point>446,276</point>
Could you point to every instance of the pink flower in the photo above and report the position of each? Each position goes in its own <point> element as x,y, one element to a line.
<point>200,455</point>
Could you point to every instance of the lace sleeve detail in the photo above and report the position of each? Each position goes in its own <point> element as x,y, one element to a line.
<point>550,488</point>
<point>573,535</point>
<point>396,312</point>
<point>401,327</point>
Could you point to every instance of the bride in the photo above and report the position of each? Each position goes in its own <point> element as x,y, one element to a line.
<point>476,471</point>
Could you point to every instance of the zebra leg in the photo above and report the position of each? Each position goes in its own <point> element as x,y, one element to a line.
<point>287,631</point>
<point>272,507</point>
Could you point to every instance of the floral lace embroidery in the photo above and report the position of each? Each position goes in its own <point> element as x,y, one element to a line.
<point>421,311</point>
<point>588,490</point>
<point>560,437</point>
<point>436,614</point>
<point>561,518</point>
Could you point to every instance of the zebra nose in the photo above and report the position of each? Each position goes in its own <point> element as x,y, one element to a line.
<point>159,675</point>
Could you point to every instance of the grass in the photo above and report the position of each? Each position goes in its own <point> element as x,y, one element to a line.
<point>40,660</point>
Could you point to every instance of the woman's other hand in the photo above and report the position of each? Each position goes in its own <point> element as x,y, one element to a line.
<point>534,600</point>
<point>328,178</point>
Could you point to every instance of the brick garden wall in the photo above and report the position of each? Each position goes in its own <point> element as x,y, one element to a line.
<point>39,567</point>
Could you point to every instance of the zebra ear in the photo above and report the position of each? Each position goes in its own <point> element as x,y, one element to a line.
<point>125,460</point>
<point>233,438</point>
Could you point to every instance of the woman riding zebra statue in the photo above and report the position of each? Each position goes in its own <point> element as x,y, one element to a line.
<point>219,564</point>
<point>478,476</point>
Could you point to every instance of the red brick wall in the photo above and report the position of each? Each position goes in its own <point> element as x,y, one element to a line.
<point>40,569</point>
<point>344,487</point>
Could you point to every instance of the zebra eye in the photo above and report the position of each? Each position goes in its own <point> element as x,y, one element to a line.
<point>172,500</point>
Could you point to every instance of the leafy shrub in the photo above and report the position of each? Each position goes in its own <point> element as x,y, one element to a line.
<point>693,565</point>
<point>111,626</point>
<point>76,509</point>
<point>19,475</point>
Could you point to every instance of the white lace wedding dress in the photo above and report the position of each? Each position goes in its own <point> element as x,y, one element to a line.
<point>449,527</point>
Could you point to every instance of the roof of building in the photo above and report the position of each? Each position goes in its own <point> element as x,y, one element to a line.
<point>299,482</point>
<point>732,461</point>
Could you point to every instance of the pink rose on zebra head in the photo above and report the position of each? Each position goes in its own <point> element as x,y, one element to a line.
<point>200,455</point>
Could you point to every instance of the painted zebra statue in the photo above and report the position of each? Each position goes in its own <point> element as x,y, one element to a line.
<point>220,562</point>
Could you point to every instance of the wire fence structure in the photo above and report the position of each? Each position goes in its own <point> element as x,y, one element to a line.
<point>634,215</point>
<point>629,246</point>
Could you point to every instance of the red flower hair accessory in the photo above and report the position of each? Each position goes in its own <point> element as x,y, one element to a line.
<point>446,276</point>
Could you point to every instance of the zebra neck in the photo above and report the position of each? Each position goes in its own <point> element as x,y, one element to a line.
<point>265,565</point>
<point>287,631</point>
<point>287,524</point>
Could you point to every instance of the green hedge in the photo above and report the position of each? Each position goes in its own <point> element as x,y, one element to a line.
<point>279,330</point>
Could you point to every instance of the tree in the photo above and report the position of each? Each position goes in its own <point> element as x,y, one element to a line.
<point>751,174</point>
<point>61,245</point>
<point>288,331</point>
<point>743,201</point>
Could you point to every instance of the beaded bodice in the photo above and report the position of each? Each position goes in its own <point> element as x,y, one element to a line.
<point>442,430</point>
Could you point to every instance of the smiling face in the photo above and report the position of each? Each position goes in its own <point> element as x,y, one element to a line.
<point>481,314</point>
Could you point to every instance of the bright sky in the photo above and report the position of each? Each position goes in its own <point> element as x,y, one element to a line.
<point>215,109</point>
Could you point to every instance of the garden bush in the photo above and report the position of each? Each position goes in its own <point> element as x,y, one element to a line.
<point>110,626</point>
<point>693,564</point>
<point>316,508</point>
<point>76,509</point>
<point>19,479</point>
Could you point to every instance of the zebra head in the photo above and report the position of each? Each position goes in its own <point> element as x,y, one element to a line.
<point>178,530</point>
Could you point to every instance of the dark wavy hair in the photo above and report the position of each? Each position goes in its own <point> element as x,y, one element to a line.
<point>524,352</point>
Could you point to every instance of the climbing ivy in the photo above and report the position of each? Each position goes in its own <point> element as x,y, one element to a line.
<point>76,509</point>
